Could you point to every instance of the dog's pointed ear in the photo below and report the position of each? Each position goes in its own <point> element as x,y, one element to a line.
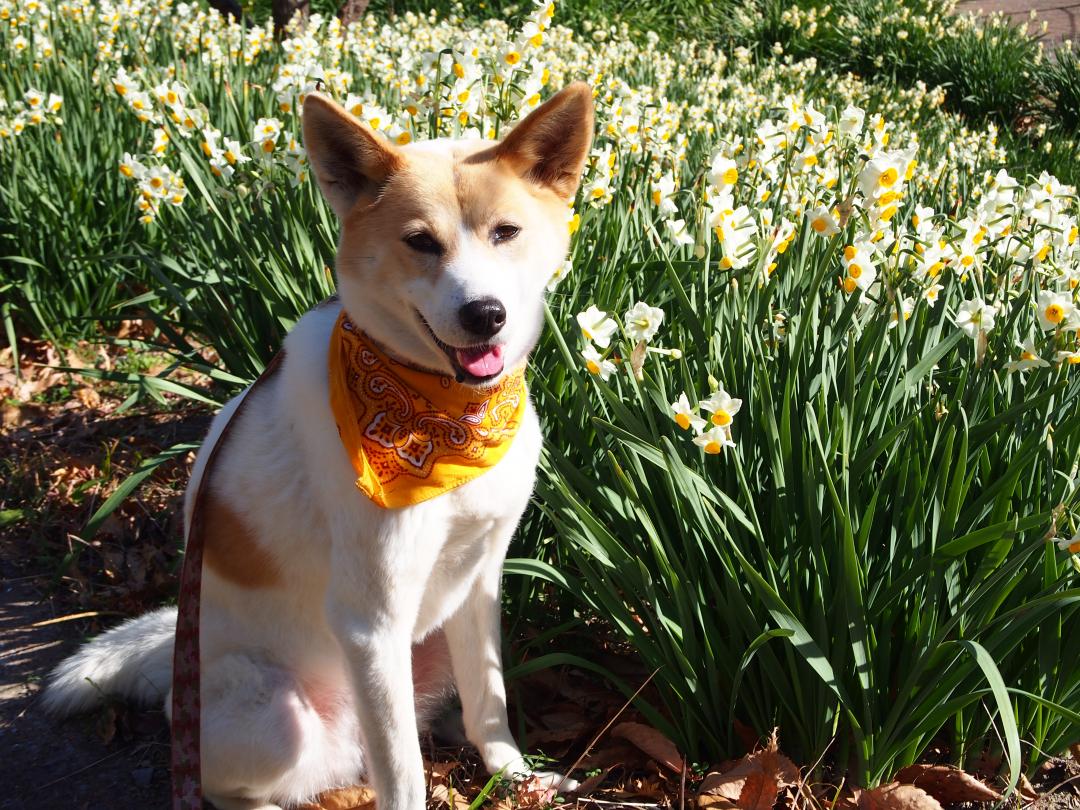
<point>551,145</point>
<point>351,162</point>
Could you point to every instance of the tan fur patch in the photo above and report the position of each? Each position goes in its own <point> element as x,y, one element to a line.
<point>232,551</point>
<point>475,189</point>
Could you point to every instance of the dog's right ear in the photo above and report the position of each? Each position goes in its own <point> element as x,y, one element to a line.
<point>351,162</point>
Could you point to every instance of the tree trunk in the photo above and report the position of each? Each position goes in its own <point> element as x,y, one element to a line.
<point>352,10</point>
<point>283,11</point>
<point>230,8</point>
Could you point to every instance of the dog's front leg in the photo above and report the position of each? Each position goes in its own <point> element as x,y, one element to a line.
<point>372,606</point>
<point>473,634</point>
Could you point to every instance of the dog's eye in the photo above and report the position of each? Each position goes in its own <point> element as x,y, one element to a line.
<point>504,233</point>
<point>423,242</point>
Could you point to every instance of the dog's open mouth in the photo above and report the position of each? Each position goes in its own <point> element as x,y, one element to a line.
<point>472,364</point>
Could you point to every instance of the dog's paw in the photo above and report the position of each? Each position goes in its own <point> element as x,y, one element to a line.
<point>550,780</point>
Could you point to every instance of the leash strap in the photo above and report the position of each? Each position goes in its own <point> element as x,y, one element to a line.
<point>186,762</point>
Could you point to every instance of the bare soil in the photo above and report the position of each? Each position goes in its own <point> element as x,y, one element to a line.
<point>117,758</point>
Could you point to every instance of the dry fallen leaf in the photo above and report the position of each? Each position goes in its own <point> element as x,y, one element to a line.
<point>454,799</point>
<point>709,801</point>
<point>534,792</point>
<point>438,772</point>
<point>12,415</point>
<point>88,397</point>
<point>759,792</point>
<point>637,360</point>
<point>652,742</point>
<point>752,784</point>
<point>615,753</point>
<point>895,796</point>
<point>1027,790</point>
<point>947,784</point>
<point>358,797</point>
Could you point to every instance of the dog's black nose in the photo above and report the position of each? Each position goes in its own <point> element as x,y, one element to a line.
<point>483,317</point>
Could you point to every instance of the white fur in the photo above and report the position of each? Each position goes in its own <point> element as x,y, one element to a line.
<point>133,660</point>
<point>308,684</point>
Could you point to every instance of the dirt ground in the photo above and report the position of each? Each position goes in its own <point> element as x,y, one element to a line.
<point>74,765</point>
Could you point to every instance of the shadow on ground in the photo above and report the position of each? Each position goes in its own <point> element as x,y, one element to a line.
<point>117,753</point>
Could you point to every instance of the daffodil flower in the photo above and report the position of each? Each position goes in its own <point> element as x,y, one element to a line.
<point>596,364</point>
<point>975,316</point>
<point>597,326</point>
<point>561,272</point>
<point>724,172</point>
<point>266,133</point>
<point>713,441</point>
<point>678,232</point>
<point>822,221</point>
<point>860,267</point>
<point>907,306</point>
<point>685,415</point>
<point>722,406</point>
<point>131,168</point>
<point>1055,310</point>
<point>660,193</point>
<point>1071,544</point>
<point>1068,358</point>
<point>851,121</point>
<point>642,321</point>
<point>1029,358</point>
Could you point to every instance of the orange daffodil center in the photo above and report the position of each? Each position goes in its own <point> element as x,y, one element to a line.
<point>1070,544</point>
<point>714,434</point>
<point>1056,310</point>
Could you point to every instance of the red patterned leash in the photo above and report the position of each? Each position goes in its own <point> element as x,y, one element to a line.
<point>186,762</point>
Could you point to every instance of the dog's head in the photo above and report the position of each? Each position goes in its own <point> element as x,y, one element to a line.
<point>446,246</point>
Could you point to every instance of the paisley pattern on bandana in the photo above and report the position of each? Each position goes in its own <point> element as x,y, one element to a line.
<point>409,434</point>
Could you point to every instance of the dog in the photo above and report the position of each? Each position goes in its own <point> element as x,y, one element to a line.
<point>333,624</point>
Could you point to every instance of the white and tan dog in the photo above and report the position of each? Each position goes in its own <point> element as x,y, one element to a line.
<point>327,619</point>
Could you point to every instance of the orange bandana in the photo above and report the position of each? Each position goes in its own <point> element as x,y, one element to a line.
<point>412,435</point>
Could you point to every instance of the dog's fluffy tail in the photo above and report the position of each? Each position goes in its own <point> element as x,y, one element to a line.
<point>133,661</point>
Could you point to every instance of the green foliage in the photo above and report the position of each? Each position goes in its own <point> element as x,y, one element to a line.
<point>987,66</point>
<point>1060,79</point>
<point>887,501</point>
<point>62,236</point>
<point>671,19</point>
<point>989,71</point>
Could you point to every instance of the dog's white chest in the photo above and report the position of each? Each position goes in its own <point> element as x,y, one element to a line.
<point>474,523</point>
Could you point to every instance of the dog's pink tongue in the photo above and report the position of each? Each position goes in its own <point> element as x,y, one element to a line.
<point>483,361</point>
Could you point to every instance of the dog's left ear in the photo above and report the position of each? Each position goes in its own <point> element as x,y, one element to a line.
<point>551,145</point>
